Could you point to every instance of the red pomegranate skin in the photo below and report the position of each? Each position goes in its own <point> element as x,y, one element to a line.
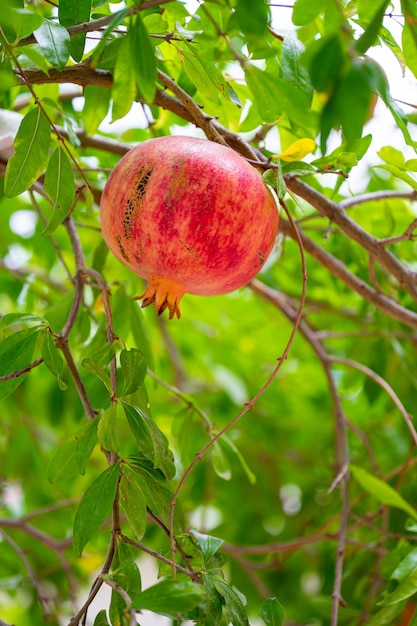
<point>188,215</point>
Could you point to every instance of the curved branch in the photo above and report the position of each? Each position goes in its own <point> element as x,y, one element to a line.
<point>374,246</point>
<point>339,270</point>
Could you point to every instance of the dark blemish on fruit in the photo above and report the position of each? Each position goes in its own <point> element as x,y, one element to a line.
<point>190,250</point>
<point>134,201</point>
<point>261,257</point>
<point>121,248</point>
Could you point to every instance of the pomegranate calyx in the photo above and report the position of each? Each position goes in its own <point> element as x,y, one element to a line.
<point>165,293</point>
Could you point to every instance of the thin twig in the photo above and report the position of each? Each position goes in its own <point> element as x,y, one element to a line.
<point>42,597</point>
<point>248,405</point>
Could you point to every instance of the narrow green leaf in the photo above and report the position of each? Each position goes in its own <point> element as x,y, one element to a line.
<point>292,69</point>
<point>220,462</point>
<point>96,106</point>
<point>409,45</point>
<point>169,597</point>
<point>95,507</point>
<point>60,187</point>
<point>272,612</point>
<point>36,56</point>
<point>16,353</point>
<point>159,497</point>
<point>107,433</point>
<point>368,38</point>
<point>208,545</point>
<point>152,442</point>
<point>31,153</point>
<point>234,605</point>
<point>91,365</point>
<point>54,42</point>
<point>71,12</point>
<point>52,358</point>
<point>206,77</point>
<point>117,19</point>
<point>226,442</point>
<point>352,99</point>
<point>101,618</point>
<point>133,364</point>
<point>63,464</point>
<point>398,173</point>
<point>126,574</point>
<point>142,54</point>
<point>381,491</point>
<point>133,501</point>
<point>86,442</point>
<point>405,579</point>
<point>123,91</point>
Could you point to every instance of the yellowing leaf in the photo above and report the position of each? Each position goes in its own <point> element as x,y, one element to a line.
<point>297,150</point>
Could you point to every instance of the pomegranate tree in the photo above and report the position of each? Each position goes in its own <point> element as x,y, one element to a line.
<point>189,215</point>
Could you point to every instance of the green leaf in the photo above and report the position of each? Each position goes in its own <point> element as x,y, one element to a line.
<point>336,158</point>
<point>91,365</point>
<point>151,441</point>
<point>142,55</point>
<point>409,45</point>
<point>71,12</point>
<point>52,358</point>
<point>126,574</point>
<point>306,11</point>
<point>368,38</point>
<point>158,496</point>
<point>169,597</point>
<point>220,462</point>
<point>106,433</point>
<point>31,153</point>
<point>298,168</point>
<point>35,56</point>
<point>86,442</point>
<point>206,77</point>
<point>292,69</point>
<point>327,63</point>
<point>381,491</point>
<point>117,19</point>
<point>54,42</point>
<point>405,575</point>
<point>63,464</point>
<point>272,612</point>
<point>208,545</point>
<point>133,501</point>
<point>393,157</point>
<point>96,106</point>
<point>101,618</point>
<point>234,604</point>
<point>16,353</point>
<point>123,91</point>
<point>24,22</point>
<point>226,442</point>
<point>133,364</point>
<point>398,173</point>
<point>95,507</point>
<point>60,187</point>
<point>275,96</point>
<point>252,16</point>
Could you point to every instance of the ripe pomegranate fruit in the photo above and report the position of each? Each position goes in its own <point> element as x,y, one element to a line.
<point>189,215</point>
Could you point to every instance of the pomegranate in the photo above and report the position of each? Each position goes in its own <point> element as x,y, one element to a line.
<point>189,215</point>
